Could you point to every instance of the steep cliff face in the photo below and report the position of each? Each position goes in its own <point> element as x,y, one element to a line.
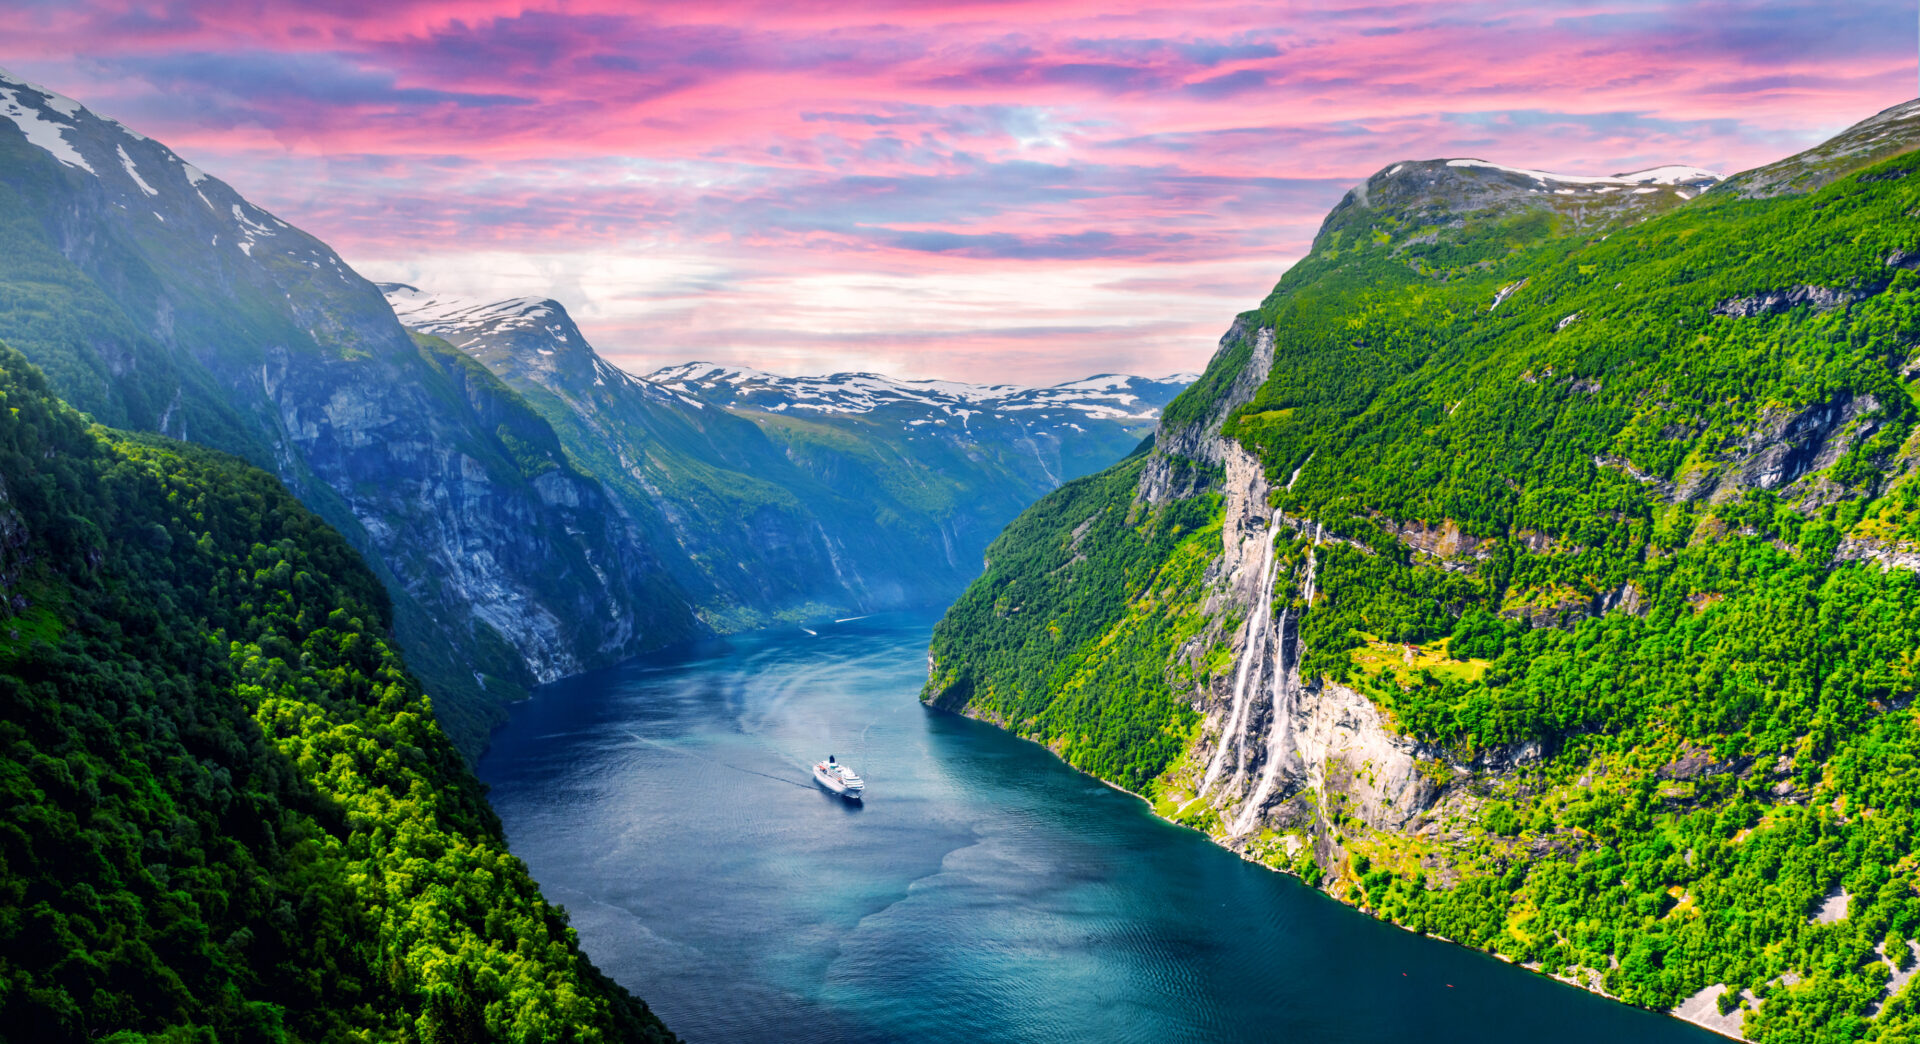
<point>1533,568</point>
<point>155,297</point>
<point>772,497</point>
<point>1282,759</point>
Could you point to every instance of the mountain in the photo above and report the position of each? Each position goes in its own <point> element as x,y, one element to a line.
<point>1071,429</point>
<point>1535,566</point>
<point>157,298</point>
<point>788,498</point>
<point>230,814</point>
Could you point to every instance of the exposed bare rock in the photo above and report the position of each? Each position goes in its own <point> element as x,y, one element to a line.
<point>1695,763</point>
<point>1561,612</point>
<point>1785,446</point>
<point>1899,979</point>
<point>1888,555</point>
<point>1833,907</point>
<point>1703,1010</point>
<point>1791,444</point>
<point>1774,302</point>
<point>1536,542</point>
<point>1172,473</point>
<point>1445,540</point>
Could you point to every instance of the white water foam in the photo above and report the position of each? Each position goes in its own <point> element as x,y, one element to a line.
<point>1256,635</point>
<point>1283,696</point>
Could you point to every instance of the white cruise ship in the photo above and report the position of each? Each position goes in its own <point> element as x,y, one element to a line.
<point>839,779</point>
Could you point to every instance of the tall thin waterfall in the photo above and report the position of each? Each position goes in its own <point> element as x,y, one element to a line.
<point>1283,698</point>
<point>1277,733</point>
<point>1250,655</point>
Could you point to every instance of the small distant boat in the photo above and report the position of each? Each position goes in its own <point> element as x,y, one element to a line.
<point>839,779</point>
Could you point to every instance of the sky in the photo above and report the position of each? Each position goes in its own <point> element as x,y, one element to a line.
<point>996,191</point>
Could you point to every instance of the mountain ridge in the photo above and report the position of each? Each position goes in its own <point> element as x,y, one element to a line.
<point>157,298</point>
<point>1531,574</point>
<point>795,498</point>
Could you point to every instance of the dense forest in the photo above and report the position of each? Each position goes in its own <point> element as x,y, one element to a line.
<point>230,813</point>
<point>1673,457</point>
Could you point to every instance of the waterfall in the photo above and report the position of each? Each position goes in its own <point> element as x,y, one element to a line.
<point>1312,566</point>
<point>1277,734</point>
<point>1283,693</point>
<point>1256,636</point>
<point>1298,470</point>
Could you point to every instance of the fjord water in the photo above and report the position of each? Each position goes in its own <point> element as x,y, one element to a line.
<point>985,892</point>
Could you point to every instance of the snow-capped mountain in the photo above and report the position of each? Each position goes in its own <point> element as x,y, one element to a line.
<point>155,297</point>
<point>544,332</point>
<point>797,495</point>
<point>1103,397</point>
<point>532,509</point>
<point>152,184</point>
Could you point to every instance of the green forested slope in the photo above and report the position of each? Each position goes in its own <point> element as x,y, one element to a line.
<point>1639,517</point>
<point>229,814</point>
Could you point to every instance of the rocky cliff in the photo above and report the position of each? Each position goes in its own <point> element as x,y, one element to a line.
<point>783,497</point>
<point>156,297</point>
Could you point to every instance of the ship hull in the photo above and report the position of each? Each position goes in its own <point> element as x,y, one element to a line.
<point>828,780</point>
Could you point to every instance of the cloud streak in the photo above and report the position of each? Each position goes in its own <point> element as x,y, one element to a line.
<point>930,187</point>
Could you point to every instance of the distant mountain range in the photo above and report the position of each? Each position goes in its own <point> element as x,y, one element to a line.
<point>790,497</point>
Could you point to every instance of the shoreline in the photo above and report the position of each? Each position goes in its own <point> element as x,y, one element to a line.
<point>1673,1013</point>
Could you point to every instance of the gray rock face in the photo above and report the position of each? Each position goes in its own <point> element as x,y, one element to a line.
<point>1172,473</point>
<point>1785,447</point>
<point>1775,302</point>
<point>157,298</point>
<point>1277,756</point>
<point>772,497</point>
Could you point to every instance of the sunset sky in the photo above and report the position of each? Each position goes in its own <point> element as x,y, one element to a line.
<point>978,191</point>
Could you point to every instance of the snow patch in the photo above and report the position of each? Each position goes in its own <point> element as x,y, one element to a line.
<point>48,134</point>
<point>134,172</point>
<point>1672,174</point>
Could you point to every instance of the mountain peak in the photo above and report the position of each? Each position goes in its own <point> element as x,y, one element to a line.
<point>1442,192</point>
<point>171,197</point>
<point>442,314</point>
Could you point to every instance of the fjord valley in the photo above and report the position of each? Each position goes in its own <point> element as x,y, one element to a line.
<point>783,499</point>
<point>236,813</point>
<point>532,512</point>
<point>1533,568</point>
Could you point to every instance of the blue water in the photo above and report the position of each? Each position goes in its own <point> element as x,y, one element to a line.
<point>985,892</point>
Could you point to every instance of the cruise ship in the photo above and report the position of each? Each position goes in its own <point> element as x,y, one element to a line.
<point>839,779</point>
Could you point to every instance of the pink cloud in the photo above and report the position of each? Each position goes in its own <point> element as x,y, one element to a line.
<point>795,142</point>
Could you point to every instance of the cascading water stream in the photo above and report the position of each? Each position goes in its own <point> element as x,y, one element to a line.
<point>1296,471</point>
<point>1283,697</point>
<point>1277,734</point>
<point>1256,635</point>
